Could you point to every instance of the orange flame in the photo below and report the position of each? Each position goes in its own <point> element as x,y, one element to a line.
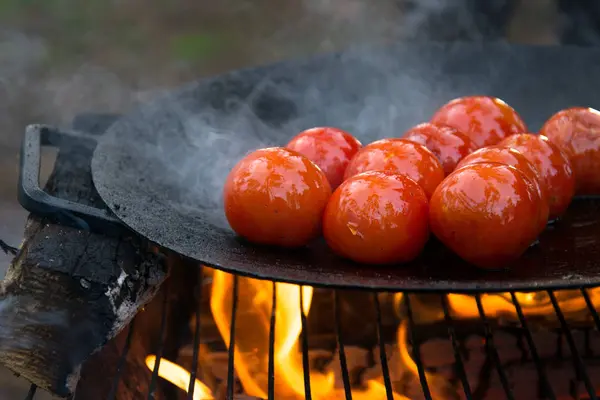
<point>252,335</point>
<point>439,386</point>
<point>533,304</point>
<point>536,304</point>
<point>179,377</point>
<point>253,316</point>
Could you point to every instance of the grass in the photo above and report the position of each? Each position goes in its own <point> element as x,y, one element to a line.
<point>76,30</point>
<point>196,47</point>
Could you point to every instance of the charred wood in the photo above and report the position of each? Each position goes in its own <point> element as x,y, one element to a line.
<point>68,291</point>
<point>154,330</point>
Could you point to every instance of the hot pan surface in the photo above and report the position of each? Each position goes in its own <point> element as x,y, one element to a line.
<point>161,169</point>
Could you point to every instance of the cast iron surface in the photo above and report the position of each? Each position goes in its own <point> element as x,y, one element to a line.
<point>164,174</point>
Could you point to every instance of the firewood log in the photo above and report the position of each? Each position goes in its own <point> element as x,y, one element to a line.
<point>68,291</point>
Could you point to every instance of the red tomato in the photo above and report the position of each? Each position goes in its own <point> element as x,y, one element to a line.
<point>377,218</point>
<point>486,213</point>
<point>448,144</point>
<point>576,131</point>
<point>330,148</point>
<point>399,156</point>
<point>276,196</point>
<point>552,165</point>
<point>485,120</point>
<point>513,157</point>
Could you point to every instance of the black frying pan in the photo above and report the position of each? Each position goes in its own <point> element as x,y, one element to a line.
<point>161,169</point>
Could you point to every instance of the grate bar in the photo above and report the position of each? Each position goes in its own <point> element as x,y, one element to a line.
<point>231,352</point>
<point>462,373</point>
<point>539,365</point>
<point>305,363</point>
<point>415,349</point>
<point>491,348</point>
<point>342,353</point>
<point>590,305</point>
<point>163,336</point>
<point>271,373</point>
<point>196,351</point>
<point>385,370</point>
<point>577,360</point>
<point>121,363</point>
<point>31,392</point>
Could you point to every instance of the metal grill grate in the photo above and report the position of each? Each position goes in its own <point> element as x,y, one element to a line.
<point>545,388</point>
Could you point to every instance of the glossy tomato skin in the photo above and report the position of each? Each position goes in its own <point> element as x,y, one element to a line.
<point>377,218</point>
<point>276,196</point>
<point>513,157</point>
<point>330,148</point>
<point>486,213</point>
<point>485,120</point>
<point>399,156</point>
<point>576,131</point>
<point>448,144</point>
<point>552,165</point>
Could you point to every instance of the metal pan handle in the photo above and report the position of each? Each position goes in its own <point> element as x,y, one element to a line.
<point>35,200</point>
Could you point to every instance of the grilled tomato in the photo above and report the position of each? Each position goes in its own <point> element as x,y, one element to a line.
<point>552,165</point>
<point>513,157</point>
<point>399,156</point>
<point>330,148</point>
<point>276,196</point>
<point>448,144</point>
<point>485,120</point>
<point>577,132</point>
<point>486,213</point>
<point>377,218</point>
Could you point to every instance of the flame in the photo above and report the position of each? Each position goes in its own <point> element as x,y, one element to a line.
<point>251,345</point>
<point>537,304</point>
<point>252,335</point>
<point>533,304</point>
<point>253,317</point>
<point>179,377</point>
<point>439,386</point>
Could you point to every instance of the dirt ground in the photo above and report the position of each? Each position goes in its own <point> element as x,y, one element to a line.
<point>62,57</point>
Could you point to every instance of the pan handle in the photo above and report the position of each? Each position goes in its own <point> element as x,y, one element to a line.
<point>35,200</point>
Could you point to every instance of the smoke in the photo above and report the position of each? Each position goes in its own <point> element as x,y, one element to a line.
<point>184,146</point>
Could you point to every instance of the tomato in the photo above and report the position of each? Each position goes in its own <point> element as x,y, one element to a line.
<point>377,218</point>
<point>399,156</point>
<point>552,165</point>
<point>330,148</point>
<point>486,213</point>
<point>485,120</point>
<point>276,196</point>
<point>513,157</point>
<point>576,131</point>
<point>448,144</point>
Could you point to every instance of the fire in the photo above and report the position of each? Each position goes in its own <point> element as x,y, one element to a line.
<point>179,377</point>
<point>498,305</point>
<point>440,387</point>
<point>252,330</point>
<point>533,304</point>
<point>251,344</point>
<point>252,335</point>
